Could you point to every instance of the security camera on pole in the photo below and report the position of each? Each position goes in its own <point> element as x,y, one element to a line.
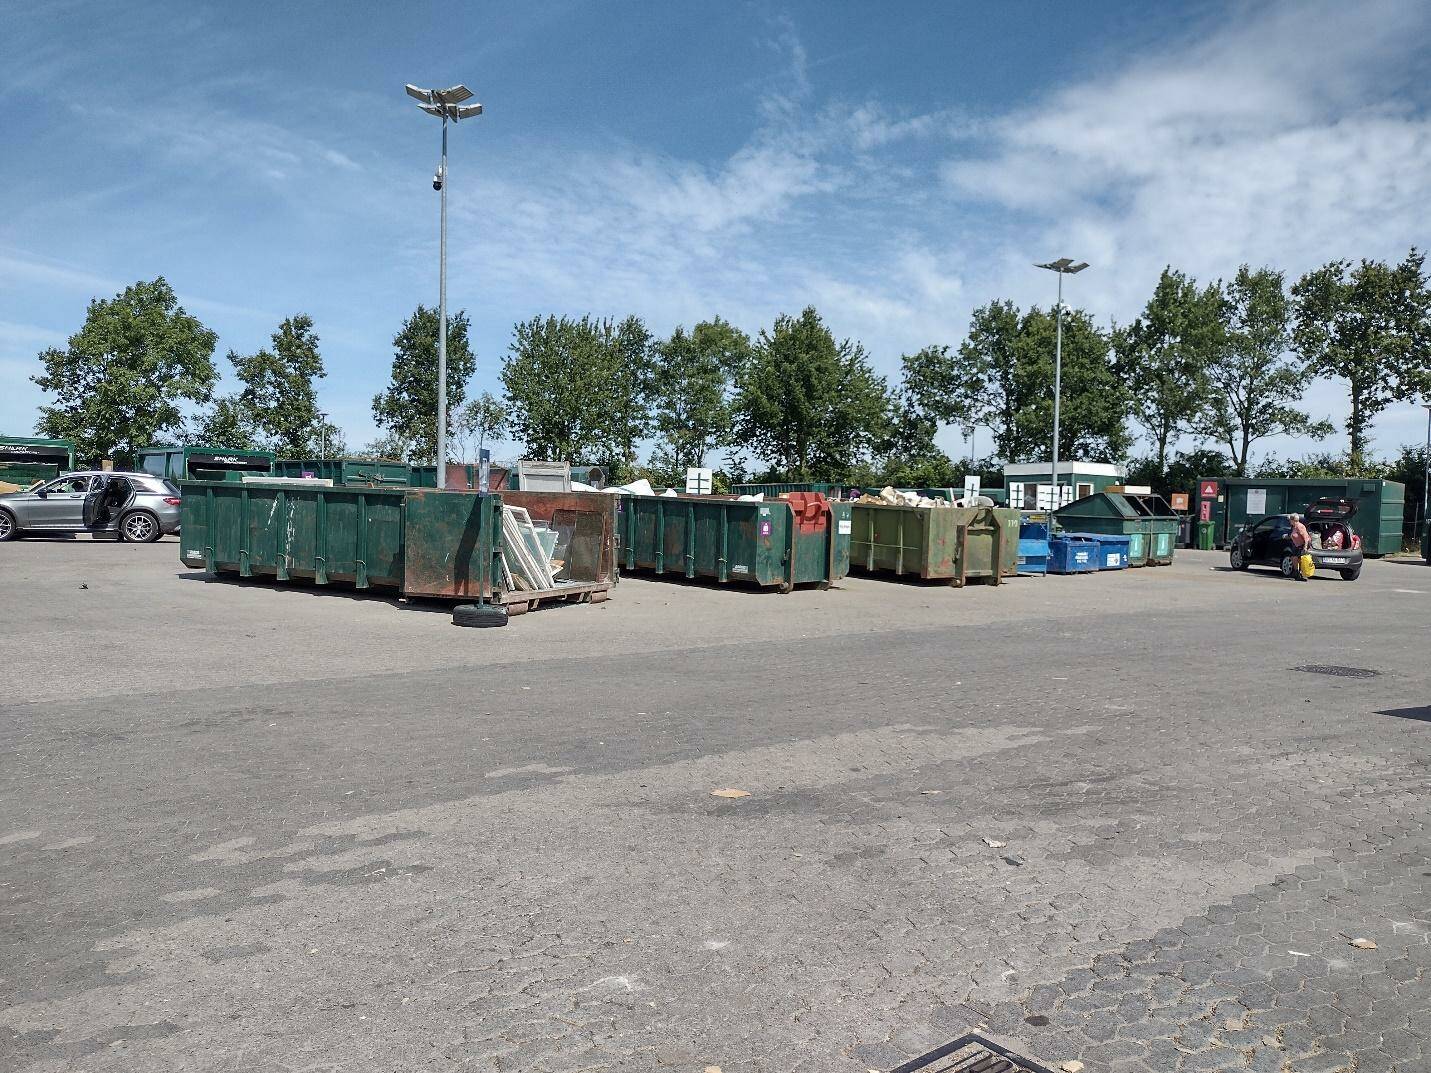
<point>1064,266</point>
<point>445,104</point>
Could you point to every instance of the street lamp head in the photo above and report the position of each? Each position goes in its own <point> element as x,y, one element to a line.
<point>1064,266</point>
<point>445,103</point>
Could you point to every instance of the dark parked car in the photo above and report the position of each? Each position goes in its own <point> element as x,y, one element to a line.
<point>1268,542</point>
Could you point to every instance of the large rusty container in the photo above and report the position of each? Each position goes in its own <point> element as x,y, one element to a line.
<point>953,544</point>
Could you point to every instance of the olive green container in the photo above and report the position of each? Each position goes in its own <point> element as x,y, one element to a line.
<point>1146,520</point>
<point>953,544</point>
<point>770,543</point>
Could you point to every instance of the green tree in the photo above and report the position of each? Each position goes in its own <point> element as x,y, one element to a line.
<point>278,389</point>
<point>1181,472</point>
<point>628,370</point>
<point>993,390</point>
<point>553,376</point>
<point>691,385</point>
<point>119,381</point>
<point>228,423</point>
<point>1370,326</point>
<point>929,397</point>
<point>1093,412</point>
<point>1252,384</point>
<point>481,419</point>
<point>1007,384</point>
<point>1162,357</point>
<point>808,405</point>
<point>407,409</point>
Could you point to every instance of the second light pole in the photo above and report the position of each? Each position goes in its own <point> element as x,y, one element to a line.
<point>445,104</point>
<point>1064,266</point>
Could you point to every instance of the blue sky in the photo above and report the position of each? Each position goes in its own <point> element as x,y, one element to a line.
<point>894,165</point>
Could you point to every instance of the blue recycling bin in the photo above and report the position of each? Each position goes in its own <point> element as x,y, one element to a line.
<point>1071,554</point>
<point>1033,548</point>
<point>1112,550</point>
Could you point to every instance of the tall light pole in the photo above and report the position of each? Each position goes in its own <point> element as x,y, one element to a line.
<point>1064,266</point>
<point>323,434</point>
<point>446,104</point>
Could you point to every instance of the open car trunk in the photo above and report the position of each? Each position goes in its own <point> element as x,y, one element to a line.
<point>1328,524</point>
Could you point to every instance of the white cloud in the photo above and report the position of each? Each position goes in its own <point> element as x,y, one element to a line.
<point>1284,136</point>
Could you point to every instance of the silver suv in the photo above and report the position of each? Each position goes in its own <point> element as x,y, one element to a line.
<point>137,506</point>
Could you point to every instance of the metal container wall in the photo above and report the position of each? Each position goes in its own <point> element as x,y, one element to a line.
<point>1072,554</point>
<point>725,539</point>
<point>26,459</point>
<point>350,535</point>
<point>945,543</point>
<point>1112,549</point>
<point>347,470</point>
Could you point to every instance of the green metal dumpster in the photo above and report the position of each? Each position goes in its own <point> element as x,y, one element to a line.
<point>1163,526</point>
<point>204,463</point>
<point>1114,513</point>
<point>25,460</point>
<point>775,543</point>
<point>954,544</point>
<point>419,542</point>
<point>346,470</point>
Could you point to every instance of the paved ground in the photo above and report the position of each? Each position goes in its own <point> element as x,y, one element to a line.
<point>248,829</point>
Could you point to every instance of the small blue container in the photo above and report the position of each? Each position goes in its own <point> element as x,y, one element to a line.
<point>1069,553</point>
<point>1033,556</point>
<point>1112,550</point>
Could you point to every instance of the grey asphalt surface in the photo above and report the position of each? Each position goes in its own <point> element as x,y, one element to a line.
<point>249,829</point>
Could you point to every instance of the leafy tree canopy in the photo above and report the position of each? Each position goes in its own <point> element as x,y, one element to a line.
<point>406,410</point>
<point>120,380</point>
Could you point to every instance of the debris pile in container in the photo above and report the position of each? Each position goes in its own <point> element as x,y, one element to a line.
<point>894,497</point>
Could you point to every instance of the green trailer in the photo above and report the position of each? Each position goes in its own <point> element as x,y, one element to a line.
<point>204,463</point>
<point>346,470</point>
<point>25,460</point>
<point>1149,524</point>
<point>953,544</point>
<point>416,542</point>
<point>775,543</point>
<point>1234,503</point>
<point>775,489</point>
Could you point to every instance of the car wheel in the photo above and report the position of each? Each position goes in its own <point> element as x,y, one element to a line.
<point>1351,574</point>
<point>139,527</point>
<point>8,529</point>
<point>1289,566</point>
<point>1235,557</point>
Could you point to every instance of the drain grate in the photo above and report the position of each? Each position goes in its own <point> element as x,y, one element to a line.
<point>1338,672</point>
<point>971,1054</point>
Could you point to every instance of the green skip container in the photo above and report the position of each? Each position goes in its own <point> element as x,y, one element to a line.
<point>416,541</point>
<point>346,470</point>
<point>953,544</point>
<point>773,543</point>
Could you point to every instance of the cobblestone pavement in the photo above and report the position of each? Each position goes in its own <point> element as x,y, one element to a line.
<point>1139,838</point>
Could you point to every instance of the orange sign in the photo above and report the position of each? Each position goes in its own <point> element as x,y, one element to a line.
<point>1180,502</point>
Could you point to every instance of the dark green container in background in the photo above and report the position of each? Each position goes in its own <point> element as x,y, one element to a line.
<point>724,539</point>
<point>346,470</point>
<point>830,491</point>
<point>25,460</point>
<point>203,463</point>
<point>954,544</point>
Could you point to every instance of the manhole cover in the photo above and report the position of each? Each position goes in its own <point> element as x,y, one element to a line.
<point>1338,672</point>
<point>971,1054</point>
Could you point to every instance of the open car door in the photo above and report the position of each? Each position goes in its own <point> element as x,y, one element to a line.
<point>92,518</point>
